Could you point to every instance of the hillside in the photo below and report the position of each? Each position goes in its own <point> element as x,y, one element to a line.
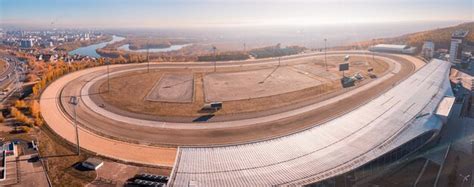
<point>441,37</point>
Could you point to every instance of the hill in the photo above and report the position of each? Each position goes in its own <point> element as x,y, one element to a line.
<point>441,37</point>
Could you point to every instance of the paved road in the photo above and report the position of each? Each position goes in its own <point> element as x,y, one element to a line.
<point>61,123</point>
<point>6,76</point>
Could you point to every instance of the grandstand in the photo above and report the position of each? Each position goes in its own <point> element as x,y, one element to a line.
<point>390,48</point>
<point>405,113</point>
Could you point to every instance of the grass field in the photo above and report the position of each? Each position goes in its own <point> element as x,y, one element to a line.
<point>3,66</point>
<point>60,159</point>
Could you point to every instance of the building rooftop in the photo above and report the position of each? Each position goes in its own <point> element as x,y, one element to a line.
<point>460,34</point>
<point>94,161</point>
<point>391,46</point>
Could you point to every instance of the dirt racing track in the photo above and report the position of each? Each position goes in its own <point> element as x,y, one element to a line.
<point>139,138</point>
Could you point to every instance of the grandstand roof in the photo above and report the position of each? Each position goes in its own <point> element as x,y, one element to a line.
<point>326,150</point>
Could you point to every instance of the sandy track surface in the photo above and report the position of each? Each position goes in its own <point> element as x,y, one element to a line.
<point>63,126</point>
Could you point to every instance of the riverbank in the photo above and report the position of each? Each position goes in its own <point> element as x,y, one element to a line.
<point>135,48</point>
<point>91,50</point>
<point>70,46</point>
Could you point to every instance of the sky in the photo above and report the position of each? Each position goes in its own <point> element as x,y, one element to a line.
<point>225,13</point>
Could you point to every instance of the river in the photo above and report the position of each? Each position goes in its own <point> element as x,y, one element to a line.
<point>90,50</point>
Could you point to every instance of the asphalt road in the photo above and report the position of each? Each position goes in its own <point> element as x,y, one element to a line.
<point>93,124</point>
<point>4,79</point>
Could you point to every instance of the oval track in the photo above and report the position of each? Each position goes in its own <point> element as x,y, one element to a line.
<point>105,130</point>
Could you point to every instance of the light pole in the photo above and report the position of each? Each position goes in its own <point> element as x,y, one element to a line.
<point>147,57</point>
<point>108,76</point>
<point>373,54</point>
<point>325,59</point>
<point>215,57</point>
<point>74,101</point>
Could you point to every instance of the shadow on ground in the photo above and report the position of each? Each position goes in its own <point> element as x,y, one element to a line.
<point>203,118</point>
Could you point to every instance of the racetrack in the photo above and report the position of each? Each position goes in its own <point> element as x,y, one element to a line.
<point>122,137</point>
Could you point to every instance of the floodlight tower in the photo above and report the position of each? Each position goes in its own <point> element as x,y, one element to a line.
<point>373,53</point>
<point>108,76</point>
<point>147,56</point>
<point>215,57</point>
<point>325,58</point>
<point>74,102</point>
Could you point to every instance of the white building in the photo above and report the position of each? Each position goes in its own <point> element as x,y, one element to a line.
<point>456,47</point>
<point>390,48</point>
<point>427,50</point>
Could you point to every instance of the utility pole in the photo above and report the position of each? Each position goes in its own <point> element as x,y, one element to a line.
<point>215,57</point>
<point>279,61</point>
<point>74,101</point>
<point>245,47</point>
<point>108,76</point>
<point>325,59</point>
<point>147,57</point>
<point>373,54</point>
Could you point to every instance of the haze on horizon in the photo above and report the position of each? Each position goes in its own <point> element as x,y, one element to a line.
<point>232,13</point>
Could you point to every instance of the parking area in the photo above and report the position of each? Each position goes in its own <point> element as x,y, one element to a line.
<point>31,171</point>
<point>119,174</point>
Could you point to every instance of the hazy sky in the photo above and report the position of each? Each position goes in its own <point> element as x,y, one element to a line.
<point>209,13</point>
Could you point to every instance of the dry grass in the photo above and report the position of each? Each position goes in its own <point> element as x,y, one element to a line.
<point>2,66</point>
<point>135,86</point>
<point>60,160</point>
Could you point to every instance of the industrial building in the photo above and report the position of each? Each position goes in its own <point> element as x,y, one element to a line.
<point>390,48</point>
<point>455,50</point>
